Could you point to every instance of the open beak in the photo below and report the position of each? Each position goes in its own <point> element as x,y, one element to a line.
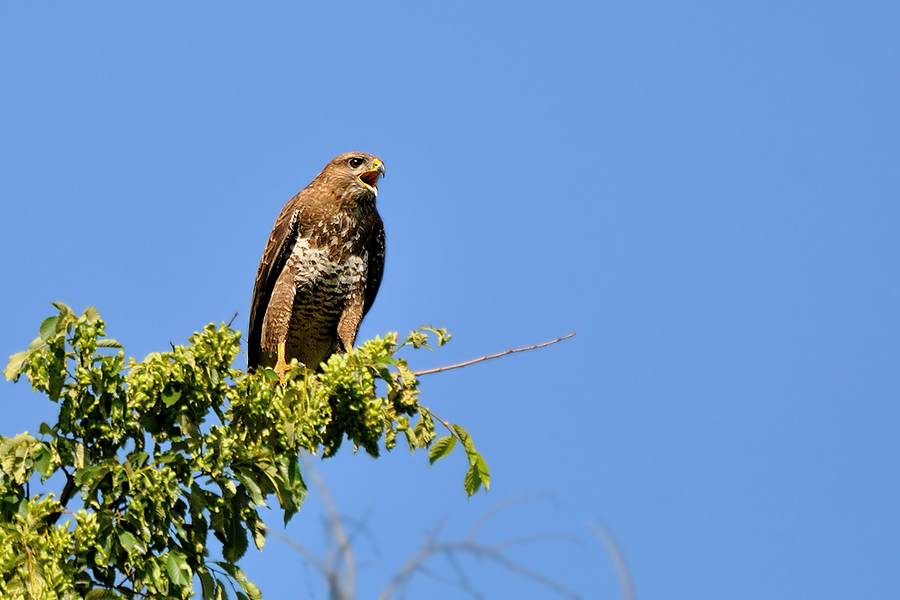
<point>370,177</point>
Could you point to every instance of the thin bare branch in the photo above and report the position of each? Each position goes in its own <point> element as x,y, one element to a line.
<point>515,567</point>
<point>538,538</point>
<point>338,568</point>
<point>498,355</point>
<point>358,527</point>
<point>605,535</point>
<point>453,548</point>
<point>464,582</point>
<point>232,319</point>
<point>433,547</point>
<point>301,549</point>
<point>342,585</point>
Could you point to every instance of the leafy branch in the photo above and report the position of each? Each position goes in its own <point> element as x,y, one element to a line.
<point>165,451</point>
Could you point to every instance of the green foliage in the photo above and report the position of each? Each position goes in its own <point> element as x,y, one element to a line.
<point>165,451</point>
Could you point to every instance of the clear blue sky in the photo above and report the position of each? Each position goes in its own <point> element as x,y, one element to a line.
<point>707,192</point>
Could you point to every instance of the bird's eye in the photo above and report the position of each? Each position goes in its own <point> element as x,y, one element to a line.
<point>356,161</point>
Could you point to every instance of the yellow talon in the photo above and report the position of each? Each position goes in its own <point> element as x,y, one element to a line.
<point>281,367</point>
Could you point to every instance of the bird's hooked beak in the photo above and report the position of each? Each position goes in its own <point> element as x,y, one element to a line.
<point>370,177</point>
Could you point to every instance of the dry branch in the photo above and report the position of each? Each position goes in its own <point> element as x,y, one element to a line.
<point>498,355</point>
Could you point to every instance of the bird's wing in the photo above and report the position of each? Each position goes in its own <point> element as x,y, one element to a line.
<point>357,307</point>
<point>281,241</point>
<point>376,266</point>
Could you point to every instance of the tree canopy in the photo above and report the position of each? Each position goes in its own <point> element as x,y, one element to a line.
<point>162,452</point>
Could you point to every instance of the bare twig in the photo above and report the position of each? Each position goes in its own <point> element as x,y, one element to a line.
<point>232,319</point>
<point>338,566</point>
<point>303,550</point>
<point>359,527</point>
<point>606,536</point>
<point>493,552</point>
<point>470,545</point>
<point>498,355</point>
<point>342,582</point>
<point>340,577</point>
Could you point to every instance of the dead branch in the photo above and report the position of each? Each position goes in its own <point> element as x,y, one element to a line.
<point>471,546</point>
<point>606,536</point>
<point>494,552</point>
<point>498,355</point>
<point>342,582</point>
<point>338,568</point>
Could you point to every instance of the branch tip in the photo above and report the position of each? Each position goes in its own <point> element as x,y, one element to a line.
<point>498,355</point>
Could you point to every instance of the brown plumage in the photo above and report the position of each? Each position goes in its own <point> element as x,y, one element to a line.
<point>321,269</point>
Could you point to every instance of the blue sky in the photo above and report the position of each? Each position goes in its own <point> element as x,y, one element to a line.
<point>707,192</point>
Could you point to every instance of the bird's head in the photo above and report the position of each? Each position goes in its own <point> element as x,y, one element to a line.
<point>359,170</point>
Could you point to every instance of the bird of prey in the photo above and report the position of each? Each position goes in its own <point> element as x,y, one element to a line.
<point>321,268</point>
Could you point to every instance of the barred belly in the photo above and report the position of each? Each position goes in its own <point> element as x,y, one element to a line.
<point>325,283</point>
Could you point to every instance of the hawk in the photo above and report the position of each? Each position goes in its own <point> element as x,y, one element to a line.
<point>321,268</point>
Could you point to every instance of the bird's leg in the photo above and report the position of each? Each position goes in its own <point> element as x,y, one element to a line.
<point>281,367</point>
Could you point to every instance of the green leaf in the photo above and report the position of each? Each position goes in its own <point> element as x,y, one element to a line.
<point>423,432</point>
<point>156,577</point>
<point>208,585</point>
<point>248,482</point>
<point>14,366</point>
<point>238,574</point>
<point>92,315</point>
<point>127,540</point>
<point>259,534</point>
<point>108,343</point>
<point>88,479</point>
<point>79,455</point>
<point>441,448</point>
<point>235,545</point>
<point>170,398</point>
<point>472,481</point>
<point>36,581</point>
<point>385,374</point>
<point>63,309</point>
<point>138,459</point>
<point>483,472</point>
<point>35,344</point>
<point>464,437</point>
<point>22,508</point>
<point>42,458</point>
<point>48,328</point>
<point>442,335</point>
<point>418,339</point>
<point>176,568</point>
<point>101,594</point>
<point>13,452</point>
<point>477,476</point>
